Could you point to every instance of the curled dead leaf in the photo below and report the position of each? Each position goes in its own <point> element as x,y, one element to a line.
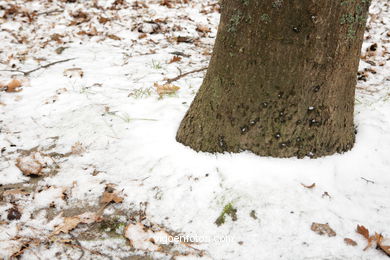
<point>203,28</point>
<point>114,37</point>
<point>14,86</point>
<point>323,229</point>
<point>29,165</point>
<point>71,72</point>
<point>384,244</point>
<point>71,223</point>
<point>350,242</point>
<point>142,35</point>
<point>143,238</point>
<point>175,59</point>
<point>184,39</point>
<point>166,89</point>
<point>362,230</point>
<point>309,186</point>
<point>77,148</point>
<point>14,192</point>
<point>111,197</point>
<point>14,213</point>
<point>326,194</point>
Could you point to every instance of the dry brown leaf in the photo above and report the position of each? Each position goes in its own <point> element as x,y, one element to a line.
<point>14,192</point>
<point>71,222</point>
<point>14,86</point>
<point>350,242</point>
<point>103,20</point>
<point>385,248</point>
<point>77,148</point>
<point>166,89</point>
<point>167,3</point>
<point>114,37</point>
<point>142,35</point>
<point>362,230</point>
<point>309,186</point>
<point>71,72</point>
<point>14,213</point>
<point>111,197</point>
<point>383,244</point>
<point>323,229</point>
<point>29,165</point>
<point>143,238</point>
<point>175,59</point>
<point>184,39</point>
<point>203,28</point>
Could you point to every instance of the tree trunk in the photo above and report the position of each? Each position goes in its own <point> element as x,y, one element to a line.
<point>281,81</point>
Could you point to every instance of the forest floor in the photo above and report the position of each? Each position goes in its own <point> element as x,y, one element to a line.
<point>90,168</point>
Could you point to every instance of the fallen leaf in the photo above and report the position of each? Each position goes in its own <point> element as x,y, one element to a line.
<point>14,86</point>
<point>350,242</point>
<point>167,3</point>
<point>309,186</point>
<point>71,72</point>
<point>166,89</point>
<point>13,213</point>
<point>149,27</point>
<point>362,230</point>
<point>59,50</point>
<point>70,223</point>
<point>14,192</point>
<point>143,238</point>
<point>57,37</point>
<point>143,35</point>
<point>103,20</point>
<point>383,244</point>
<point>77,148</point>
<point>184,39</point>
<point>323,229</point>
<point>29,165</point>
<point>111,197</point>
<point>175,59</point>
<point>203,28</point>
<point>89,217</point>
<point>114,37</point>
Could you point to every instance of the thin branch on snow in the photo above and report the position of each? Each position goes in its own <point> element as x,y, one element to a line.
<point>51,12</point>
<point>368,181</point>
<point>185,74</point>
<point>79,245</point>
<point>26,73</point>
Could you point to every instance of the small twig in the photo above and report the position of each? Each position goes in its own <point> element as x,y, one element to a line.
<point>79,245</point>
<point>26,73</point>
<point>83,248</point>
<point>184,74</point>
<point>50,12</point>
<point>368,181</point>
<point>180,72</point>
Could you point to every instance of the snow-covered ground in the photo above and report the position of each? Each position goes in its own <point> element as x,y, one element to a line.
<point>96,123</point>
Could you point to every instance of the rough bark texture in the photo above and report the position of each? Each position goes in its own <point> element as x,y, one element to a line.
<point>281,81</point>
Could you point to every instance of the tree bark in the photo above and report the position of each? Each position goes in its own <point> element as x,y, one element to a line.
<point>281,81</point>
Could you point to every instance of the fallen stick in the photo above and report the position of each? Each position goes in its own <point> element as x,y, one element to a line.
<point>26,73</point>
<point>184,74</point>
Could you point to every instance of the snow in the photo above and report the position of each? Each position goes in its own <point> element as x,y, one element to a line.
<point>129,141</point>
